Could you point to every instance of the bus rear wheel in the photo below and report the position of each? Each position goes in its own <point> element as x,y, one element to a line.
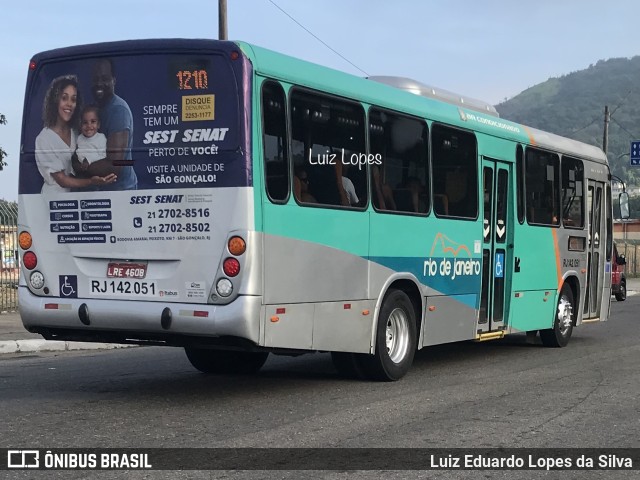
<point>225,361</point>
<point>395,339</point>
<point>559,335</point>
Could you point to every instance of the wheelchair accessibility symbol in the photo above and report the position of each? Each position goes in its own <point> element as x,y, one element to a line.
<point>499,265</point>
<point>68,286</point>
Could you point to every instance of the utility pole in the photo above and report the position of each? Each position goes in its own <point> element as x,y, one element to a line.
<point>222,19</point>
<point>605,137</point>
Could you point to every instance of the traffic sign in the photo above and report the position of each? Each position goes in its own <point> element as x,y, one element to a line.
<point>634,157</point>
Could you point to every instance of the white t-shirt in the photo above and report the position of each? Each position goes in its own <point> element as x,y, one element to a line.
<point>347,184</point>
<point>53,155</point>
<point>92,148</point>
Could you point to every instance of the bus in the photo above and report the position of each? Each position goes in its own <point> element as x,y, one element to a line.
<point>237,202</point>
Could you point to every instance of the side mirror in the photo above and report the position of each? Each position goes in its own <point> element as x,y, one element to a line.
<point>621,260</point>
<point>624,205</point>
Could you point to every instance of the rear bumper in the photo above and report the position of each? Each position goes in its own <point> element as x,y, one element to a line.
<point>141,322</point>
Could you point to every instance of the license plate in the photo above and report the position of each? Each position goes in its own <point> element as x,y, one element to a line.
<point>126,270</point>
<point>127,288</point>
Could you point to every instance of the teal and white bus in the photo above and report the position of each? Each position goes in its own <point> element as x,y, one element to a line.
<point>239,202</point>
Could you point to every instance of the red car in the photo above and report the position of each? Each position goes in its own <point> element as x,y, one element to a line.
<point>618,279</point>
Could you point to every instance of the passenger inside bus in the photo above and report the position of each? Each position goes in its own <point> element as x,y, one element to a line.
<point>383,192</point>
<point>326,184</point>
<point>349,188</point>
<point>457,192</point>
<point>301,186</point>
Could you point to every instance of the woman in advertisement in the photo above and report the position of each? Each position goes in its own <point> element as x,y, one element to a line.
<point>57,141</point>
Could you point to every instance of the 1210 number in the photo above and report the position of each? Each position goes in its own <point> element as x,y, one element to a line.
<point>196,79</point>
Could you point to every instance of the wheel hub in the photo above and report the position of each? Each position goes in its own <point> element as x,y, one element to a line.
<point>397,335</point>
<point>565,315</point>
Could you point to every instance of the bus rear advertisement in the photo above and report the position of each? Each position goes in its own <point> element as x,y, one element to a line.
<point>237,202</point>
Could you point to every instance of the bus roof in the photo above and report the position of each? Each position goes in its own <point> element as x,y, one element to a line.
<point>132,46</point>
<point>418,88</point>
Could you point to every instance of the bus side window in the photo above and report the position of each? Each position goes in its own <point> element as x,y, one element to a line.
<point>398,148</point>
<point>327,135</point>
<point>572,192</point>
<point>455,172</point>
<point>542,177</point>
<point>274,139</point>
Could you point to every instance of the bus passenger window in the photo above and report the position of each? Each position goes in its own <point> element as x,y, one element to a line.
<point>572,192</point>
<point>455,172</point>
<point>542,187</point>
<point>328,143</point>
<point>398,147</point>
<point>274,139</point>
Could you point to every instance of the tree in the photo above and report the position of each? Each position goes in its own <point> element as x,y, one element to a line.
<point>3,121</point>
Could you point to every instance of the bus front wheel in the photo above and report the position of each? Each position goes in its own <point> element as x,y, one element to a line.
<point>225,361</point>
<point>395,339</point>
<point>559,335</point>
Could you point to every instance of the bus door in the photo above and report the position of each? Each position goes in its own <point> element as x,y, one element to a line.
<point>496,245</point>
<point>595,249</point>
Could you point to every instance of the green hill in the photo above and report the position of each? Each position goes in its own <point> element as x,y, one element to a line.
<point>573,106</point>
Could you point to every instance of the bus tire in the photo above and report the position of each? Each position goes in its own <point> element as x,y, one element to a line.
<point>559,335</point>
<point>225,361</point>
<point>395,339</point>
<point>621,296</point>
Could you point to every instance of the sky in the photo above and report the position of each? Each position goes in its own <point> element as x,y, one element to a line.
<point>490,50</point>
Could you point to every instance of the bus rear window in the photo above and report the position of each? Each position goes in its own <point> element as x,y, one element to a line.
<point>161,120</point>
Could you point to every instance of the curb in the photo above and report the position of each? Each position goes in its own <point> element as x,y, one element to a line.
<point>37,346</point>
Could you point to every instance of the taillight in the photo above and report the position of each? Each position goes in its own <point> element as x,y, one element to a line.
<point>231,267</point>
<point>25,240</point>
<point>29,260</point>
<point>237,246</point>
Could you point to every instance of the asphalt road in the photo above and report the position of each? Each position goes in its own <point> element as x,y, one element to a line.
<point>495,394</point>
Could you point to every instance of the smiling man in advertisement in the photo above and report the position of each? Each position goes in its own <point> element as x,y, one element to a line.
<point>116,123</point>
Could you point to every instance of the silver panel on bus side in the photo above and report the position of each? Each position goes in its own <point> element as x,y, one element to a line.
<point>330,326</point>
<point>297,271</point>
<point>449,319</point>
<point>343,326</point>
<point>288,326</point>
<point>323,292</point>
<point>572,263</point>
